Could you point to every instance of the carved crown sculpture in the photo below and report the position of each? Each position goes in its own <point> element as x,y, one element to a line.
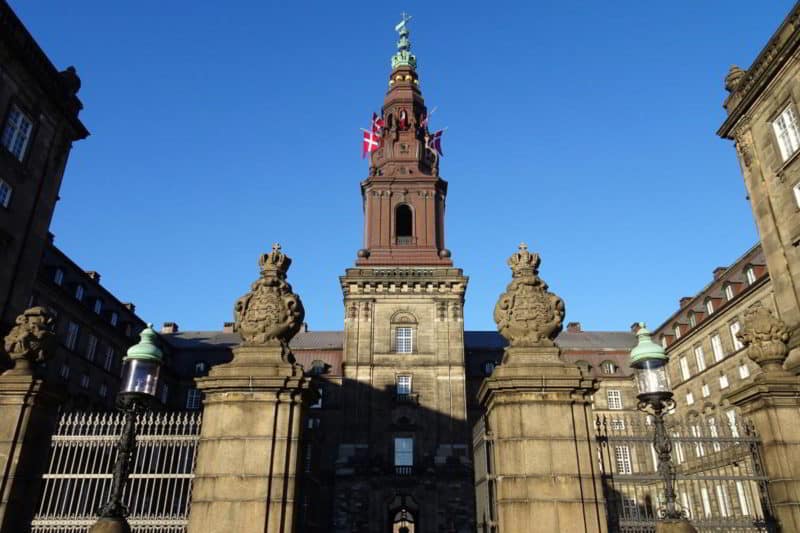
<point>270,314</point>
<point>765,337</point>
<point>527,314</point>
<point>31,340</point>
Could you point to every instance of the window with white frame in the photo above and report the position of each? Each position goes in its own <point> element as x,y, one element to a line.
<point>98,306</point>
<point>706,390</point>
<point>403,451</point>
<point>689,398</point>
<point>722,501</point>
<point>796,190</point>
<point>114,318</point>
<point>706,502</point>
<point>663,341</point>
<point>700,357</point>
<point>684,366</point>
<point>72,335</point>
<point>614,399</point>
<point>678,447</point>
<point>193,397</point>
<point>109,360</point>
<point>692,320</point>
<point>732,424</point>
<point>710,307</point>
<point>622,455</point>
<point>91,347</point>
<point>723,382</point>
<point>729,292</point>
<point>744,371</point>
<point>699,449</point>
<point>676,329</point>
<point>58,277</point>
<point>5,193</point>
<point>17,133</point>
<point>716,347</point>
<point>740,493</point>
<point>735,327</point>
<point>712,430</point>
<point>608,367</point>
<point>403,385</point>
<point>403,339</point>
<point>64,371</point>
<point>618,424</point>
<point>750,274</point>
<point>103,390</point>
<point>786,132</point>
<point>85,380</point>
<point>79,291</point>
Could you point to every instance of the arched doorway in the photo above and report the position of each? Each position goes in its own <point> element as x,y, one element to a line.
<point>403,522</point>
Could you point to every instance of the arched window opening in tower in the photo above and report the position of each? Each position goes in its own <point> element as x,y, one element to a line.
<point>403,224</point>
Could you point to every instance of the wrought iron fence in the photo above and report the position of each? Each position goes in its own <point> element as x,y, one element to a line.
<point>720,482</point>
<point>83,452</point>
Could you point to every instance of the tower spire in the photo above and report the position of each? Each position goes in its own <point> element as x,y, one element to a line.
<point>403,57</point>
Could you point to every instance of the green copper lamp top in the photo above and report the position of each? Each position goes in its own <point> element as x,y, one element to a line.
<point>646,349</point>
<point>403,57</point>
<point>147,347</point>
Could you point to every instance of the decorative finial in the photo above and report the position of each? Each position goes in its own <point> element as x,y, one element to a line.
<point>31,340</point>
<point>765,336</point>
<point>403,57</point>
<point>527,314</point>
<point>734,78</point>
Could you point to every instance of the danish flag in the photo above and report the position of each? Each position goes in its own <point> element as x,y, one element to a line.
<point>372,142</point>
<point>435,142</point>
<point>377,123</point>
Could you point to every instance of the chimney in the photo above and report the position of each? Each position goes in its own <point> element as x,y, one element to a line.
<point>719,271</point>
<point>305,327</point>
<point>169,327</point>
<point>574,327</point>
<point>94,276</point>
<point>130,306</point>
<point>635,328</point>
<point>227,327</point>
<point>685,301</point>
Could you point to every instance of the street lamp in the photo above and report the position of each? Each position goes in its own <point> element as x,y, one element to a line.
<point>649,363</point>
<point>141,369</point>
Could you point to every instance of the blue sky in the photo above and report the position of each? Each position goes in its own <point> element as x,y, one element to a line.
<point>585,129</point>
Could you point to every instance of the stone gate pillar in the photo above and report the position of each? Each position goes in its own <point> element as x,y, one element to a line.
<point>249,443</point>
<point>28,414</point>
<point>771,400</point>
<point>544,459</point>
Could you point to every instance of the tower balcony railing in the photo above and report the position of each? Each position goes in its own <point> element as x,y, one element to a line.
<point>410,398</point>
<point>404,240</point>
<point>405,470</point>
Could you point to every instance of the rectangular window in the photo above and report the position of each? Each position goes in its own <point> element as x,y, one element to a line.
<point>618,424</point>
<point>403,385</point>
<point>689,398</point>
<point>742,498</point>
<point>706,502</point>
<point>700,357</point>
<point>677,331</point>
<point>58,277</point>
<point>403,451</point>
<point>403,340</point>
<point>622,454</point>
<point>79,293</point>
<point>699,450</point>
<point>710,307</point>
<point>91,347</point>
<point>731,414</point>
<point>109,361</point>
<point>786,132</point>
<point>193,397</point>
<point>729,292</point>
<point>692,320</point>
<point>796,190</point>
<point>723,381</point>
<point>737,344</point>
<point>614,399</point>
<point>706,390</point>
<point>114,318</point>
<point>318,403</point>
<point>64,371</point>
<point>103,390</point>
<point>5,193</point>
<point>722,499</point>
<point>17,133</point>
<point>684,364</point>
<point>744,371</point>
<point>98,306</point>
<point>72,335</point>
<point>750,273</point>
<point>678,448</point>
<point>712,430</point>
<point>85,380</point>
<point>716,346</point>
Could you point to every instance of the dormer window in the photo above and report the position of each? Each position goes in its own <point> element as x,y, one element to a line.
<point>729,292</point>
<point>199,367</point>
<point>663,341</point>
<point>608,367</point>
<point>786,132</point>
<point>710,306</point>
<point>403,224</point>
<point>114,318</point>
<point>677,330</point>
<point>79,293</point>
<point>5,193</point>
<point>98,306</point>
<point>17,133</point>
<point>750,274</point>
<point>692,320</point>
<point>58,277</point>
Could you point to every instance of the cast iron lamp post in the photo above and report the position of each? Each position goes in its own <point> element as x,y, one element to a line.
<point>649,363</point>
<point>141,369</point>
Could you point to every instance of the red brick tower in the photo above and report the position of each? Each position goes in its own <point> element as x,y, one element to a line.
<point>404,197</point>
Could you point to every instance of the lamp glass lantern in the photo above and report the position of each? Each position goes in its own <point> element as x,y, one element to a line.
<point>649,363</point>
<point>141,368</point>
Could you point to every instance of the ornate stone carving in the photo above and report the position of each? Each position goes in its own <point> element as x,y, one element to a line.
<point>765,337</point>
<point>31,340</point>
<point>270,313</point>
<point>527,314</point>
<point>734,78</point>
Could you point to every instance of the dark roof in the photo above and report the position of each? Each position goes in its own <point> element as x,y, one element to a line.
<point>473,340</point>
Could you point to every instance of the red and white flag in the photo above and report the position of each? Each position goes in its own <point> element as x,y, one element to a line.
<point>377,123</point>
<point>435,142</point>
<point>371,142</point>
<point>403,122</point>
